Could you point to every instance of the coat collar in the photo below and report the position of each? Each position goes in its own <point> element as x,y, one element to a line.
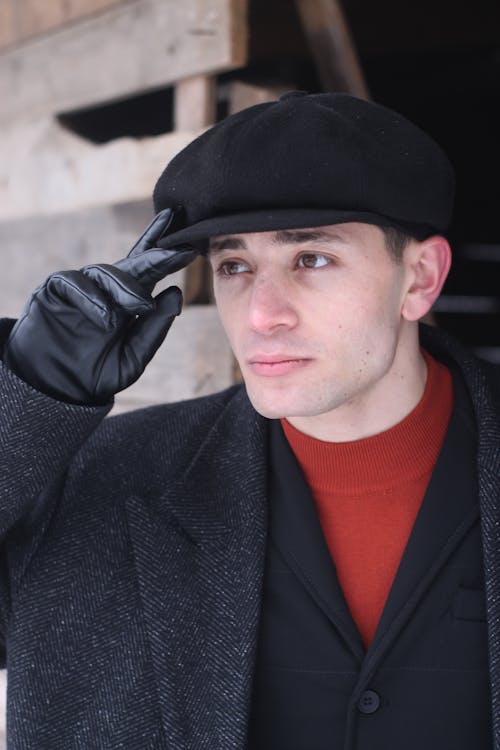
<point>199,553</point>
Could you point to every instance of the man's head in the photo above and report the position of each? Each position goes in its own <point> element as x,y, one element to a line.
<point>323,320</point>
<point>323,217</point>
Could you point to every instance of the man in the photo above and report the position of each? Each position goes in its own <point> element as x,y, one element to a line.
<point>301,563</point>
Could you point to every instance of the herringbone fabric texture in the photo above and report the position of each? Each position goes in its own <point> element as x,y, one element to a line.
<point>133,553</point>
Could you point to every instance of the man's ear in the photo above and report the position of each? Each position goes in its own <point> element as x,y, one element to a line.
<point>428,263</point>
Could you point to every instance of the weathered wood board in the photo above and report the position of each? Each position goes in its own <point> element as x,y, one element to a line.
<point>22,19</point>
<point>45,169</point>
<point>332,46</point>
<point>130,48</point>
<point>35,246</point>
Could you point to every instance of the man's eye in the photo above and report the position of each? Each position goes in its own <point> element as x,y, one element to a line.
<point>313,260</point>
<point>232,268</point>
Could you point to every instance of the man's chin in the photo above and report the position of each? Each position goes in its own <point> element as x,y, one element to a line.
<point>266,407</point>
<point>272,408</point>
<point>269,413</point>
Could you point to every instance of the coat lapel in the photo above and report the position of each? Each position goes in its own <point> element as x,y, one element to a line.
<point>296,530</point>
<point>200,552</point>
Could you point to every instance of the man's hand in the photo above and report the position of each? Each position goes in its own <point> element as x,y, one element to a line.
<point>85,335</point>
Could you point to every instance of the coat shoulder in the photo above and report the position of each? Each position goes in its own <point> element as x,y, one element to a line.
<point>481,378</point>
<point>479,374</point>
<point>167,435</point>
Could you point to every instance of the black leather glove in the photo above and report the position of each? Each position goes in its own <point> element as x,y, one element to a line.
<point>85,335</point>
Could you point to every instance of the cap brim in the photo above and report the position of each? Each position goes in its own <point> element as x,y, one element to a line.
<point>199,233</point>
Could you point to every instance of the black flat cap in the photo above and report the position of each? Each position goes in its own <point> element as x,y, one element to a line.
<point>307,160</point>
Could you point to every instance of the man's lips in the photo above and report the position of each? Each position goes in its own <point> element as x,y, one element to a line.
<point>276,364</point>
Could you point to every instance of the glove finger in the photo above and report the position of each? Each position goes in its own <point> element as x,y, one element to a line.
<point>74,290</point>
<point>169,302</point>
<point>153,232</point>
<point>123,289</point>
<point>155,264</point>
<point>147,334</point>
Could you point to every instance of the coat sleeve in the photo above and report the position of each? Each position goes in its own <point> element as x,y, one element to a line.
<point>38,438</point>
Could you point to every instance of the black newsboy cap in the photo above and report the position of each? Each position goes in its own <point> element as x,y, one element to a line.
<point>307,160</point>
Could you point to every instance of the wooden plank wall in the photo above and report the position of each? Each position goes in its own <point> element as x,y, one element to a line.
<point>23,19</point>
<point>65,201</point>
<point>128,48</point>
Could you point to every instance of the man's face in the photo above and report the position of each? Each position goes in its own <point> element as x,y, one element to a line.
<point>313,315</point>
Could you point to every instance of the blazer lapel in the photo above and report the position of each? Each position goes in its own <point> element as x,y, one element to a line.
<point>296,530</point>
<point>200,552</point>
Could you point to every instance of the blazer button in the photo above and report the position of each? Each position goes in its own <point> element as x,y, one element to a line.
<point>369,702</point>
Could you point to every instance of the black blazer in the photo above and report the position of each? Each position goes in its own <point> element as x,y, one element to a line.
<point>424,681</point>
<point>133,554</point>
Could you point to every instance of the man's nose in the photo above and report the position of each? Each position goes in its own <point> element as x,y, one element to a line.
<point>271,306</point>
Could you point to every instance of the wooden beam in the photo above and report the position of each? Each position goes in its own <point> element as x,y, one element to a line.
<point>195,105</point>
<point>198,286</point>
<point>130,48</point>
<point>242,95</point>
<point>195,109</point>
<point>238,31</point>
<point>8,26</point>
<point>332,46</point>
<point>36,17</point>
<point>45,169</point>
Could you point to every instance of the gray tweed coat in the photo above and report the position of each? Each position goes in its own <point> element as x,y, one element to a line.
<point>132,561</point>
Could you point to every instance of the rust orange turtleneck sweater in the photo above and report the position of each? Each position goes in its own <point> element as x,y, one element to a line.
<point>368,493</point>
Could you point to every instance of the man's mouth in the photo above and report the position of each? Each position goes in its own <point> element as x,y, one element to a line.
<point>276,364</point>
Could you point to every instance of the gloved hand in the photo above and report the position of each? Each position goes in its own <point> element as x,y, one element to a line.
<point>85,335</point>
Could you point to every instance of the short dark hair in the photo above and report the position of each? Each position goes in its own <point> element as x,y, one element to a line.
<point>396,239</point>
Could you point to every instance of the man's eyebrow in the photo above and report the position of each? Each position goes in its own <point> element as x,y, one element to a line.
<point>281,237</point>
<point>299,236</point>
<point>226,243</point>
